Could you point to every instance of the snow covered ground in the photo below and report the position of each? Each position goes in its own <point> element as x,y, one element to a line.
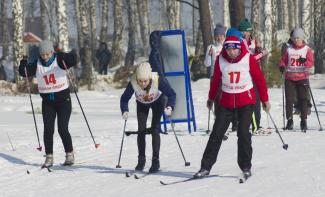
<point>297,172</point>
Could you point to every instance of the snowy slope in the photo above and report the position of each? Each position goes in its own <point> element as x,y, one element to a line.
<point>297,172</point>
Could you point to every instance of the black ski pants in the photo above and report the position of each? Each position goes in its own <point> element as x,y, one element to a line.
<point>142,114</point>
<point>244,142</point>
<point>301,89</point>
<point>50,110</point>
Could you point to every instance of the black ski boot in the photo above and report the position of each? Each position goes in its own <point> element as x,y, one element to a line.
<point>289,124</point>
<point>303,125</point>
<point>154,165</point>
<point>141,163</point>
<point>201,173</point>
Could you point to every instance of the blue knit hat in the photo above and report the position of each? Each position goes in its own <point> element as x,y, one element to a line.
<point>234,32</point>
<point>219,30</point>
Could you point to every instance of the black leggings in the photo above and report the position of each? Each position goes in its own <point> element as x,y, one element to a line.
<point>221,124</point>
<point>142,114</point>
<point>63,110</point>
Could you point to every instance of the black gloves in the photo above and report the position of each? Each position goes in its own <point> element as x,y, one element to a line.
<point>209,104</point>
<point>302,60</point>
<point>23,62</point>
<point>281,69</point>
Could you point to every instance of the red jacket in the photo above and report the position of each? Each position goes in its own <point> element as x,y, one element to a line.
<point>284,62</point>
<point>237,100</point>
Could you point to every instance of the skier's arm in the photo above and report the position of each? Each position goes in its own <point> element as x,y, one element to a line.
<point>70,59</point>
<point>165,88</point>
<point>126,96</point>
<point>30,68</point>
<point>215,82</point>
<point>258,79</point>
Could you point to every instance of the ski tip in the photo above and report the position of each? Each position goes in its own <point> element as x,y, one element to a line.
<point>27,172</point>
<point>97,146</point>
<point>136,176</point>
<point>128,174</point>
<point>163,183</point>
<point>39,148</point>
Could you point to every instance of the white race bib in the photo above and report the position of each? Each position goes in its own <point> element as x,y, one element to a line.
<point>293,59</point>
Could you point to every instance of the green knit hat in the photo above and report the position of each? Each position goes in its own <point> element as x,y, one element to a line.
<point>245,25</point>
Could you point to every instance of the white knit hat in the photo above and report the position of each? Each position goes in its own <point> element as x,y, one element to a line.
<point>298,33</point>
<point>144,71</point>
<point>46,46</point>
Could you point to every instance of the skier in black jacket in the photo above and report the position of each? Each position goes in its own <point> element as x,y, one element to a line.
<point>149,90</point>
<point>50,72</point>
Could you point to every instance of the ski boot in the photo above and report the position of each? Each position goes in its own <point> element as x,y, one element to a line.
<point>141,163</point>
<point>69,159</point>
<point>48,161</point>
<point>154,165</point>
<point>201,173</point>
<point>303,125</point>
<point>289,125</point>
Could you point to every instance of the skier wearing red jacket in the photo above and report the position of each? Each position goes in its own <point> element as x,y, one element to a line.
<point>236,69</point>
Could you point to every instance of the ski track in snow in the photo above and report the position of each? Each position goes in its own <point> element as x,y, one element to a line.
<point>298,171</point>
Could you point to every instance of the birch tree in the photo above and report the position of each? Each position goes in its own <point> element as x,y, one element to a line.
<point>93,29</point>
<point>44,23</point>
<point>226,14</point>
<point>85,54</point>
<point>255,18</point>
<point>130,54</point>
<point>306,19</point>
<point>173,14</point>
<point>104,21</point>
<point>117,35</point>
<point>4,29</point>
<point>62,25</point>
<point>78,23</point>
<point>18,17</point>
<point>205,23</point>
<point>142,7</point>
<point>267,41</point>
<point>285,19</point>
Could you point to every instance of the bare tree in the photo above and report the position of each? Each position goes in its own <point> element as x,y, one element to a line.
<point>285,18</point>
<point>130,54</point>
<point>226,14</point>
<point>269,23</point>
<point>18,17</point>
<point>255,18</point>
<point>93,29</point>
<point>319,12</point>
<point>306,19</point>
<point>237,11</point>
<point>117,35</point>
<point>78,23</point>
<point>142,7</point>
<point>62,25</point>
<point>104,22</point>
<point>4,29</point>
<point>205,23</point>
<point>44,21</point>
<point>85,53</point>
<point>173,14</point>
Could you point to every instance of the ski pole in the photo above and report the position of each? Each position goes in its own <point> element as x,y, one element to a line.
<point>180,148</point>
<point>208,131</point>
<point>83,113</point>
<point>284,146</point>
<point>31,103</point>
<point>13,149</point>
<point>312,97</point>
<point>283,93</point>
<point>119,158</point>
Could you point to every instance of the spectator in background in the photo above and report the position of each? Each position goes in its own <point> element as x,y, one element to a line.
<point>104,56</point>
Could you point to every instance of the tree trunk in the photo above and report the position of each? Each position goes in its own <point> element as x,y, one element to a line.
<point>78,23</point>
<point>104,22</point>
<point>291,15</point>
<point>93,30</point>
<point>18,17</point>
<point>255,18</point>
<point>142,6</point>
<point>319,27</point>
<point>4,29</point>
<point>62,26</point>
<point>285,19</point>
<point>199,50</point>
<point>44,30</point>
<point>173,14</point>
<point>85,56</point>
<point>118,34</point>
<point>237,11</point>
<point>306,19</point>
<point>205,23</point>
<point>130,54</point>
<point>226,14</point>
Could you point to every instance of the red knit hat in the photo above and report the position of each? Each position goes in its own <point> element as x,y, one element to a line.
<point>232,42</point>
